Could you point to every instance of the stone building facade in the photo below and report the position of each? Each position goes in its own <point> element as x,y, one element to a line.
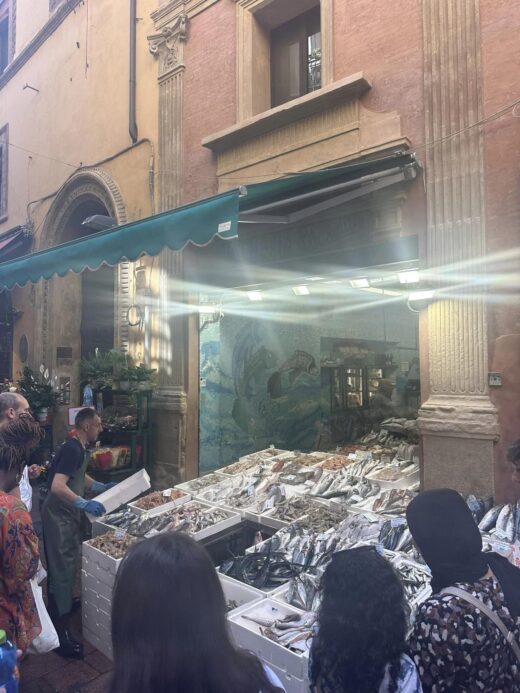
<point>426,77</point>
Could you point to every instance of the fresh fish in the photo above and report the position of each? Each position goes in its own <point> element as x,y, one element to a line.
<point>489,520</point>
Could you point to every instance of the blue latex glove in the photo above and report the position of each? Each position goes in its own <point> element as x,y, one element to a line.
<point>98,487</point>
<point>90,506</point>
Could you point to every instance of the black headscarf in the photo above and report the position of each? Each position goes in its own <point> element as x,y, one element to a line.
<point>448,538</point>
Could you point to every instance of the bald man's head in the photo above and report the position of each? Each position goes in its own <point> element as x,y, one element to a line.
<point>12,404</point>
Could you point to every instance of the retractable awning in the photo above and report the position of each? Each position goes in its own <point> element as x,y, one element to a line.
<point>281,201</point>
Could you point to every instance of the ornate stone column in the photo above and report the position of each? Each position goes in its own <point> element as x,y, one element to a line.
<point>169,323</point>
<point>458,421</point>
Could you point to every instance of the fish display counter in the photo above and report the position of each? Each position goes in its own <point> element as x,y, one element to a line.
<point>318,504</point>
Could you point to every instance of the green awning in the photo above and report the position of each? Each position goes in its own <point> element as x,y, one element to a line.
<point>196,223</point>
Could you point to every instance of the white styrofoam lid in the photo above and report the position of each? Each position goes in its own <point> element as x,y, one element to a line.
<point>124,492</point>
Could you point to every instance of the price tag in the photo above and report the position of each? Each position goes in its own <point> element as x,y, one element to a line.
<point>397,521</point>
<point>269,503</point>
<point>352,456</point>
<point>120,533</point>
<point>167,493</point>
<point>145,516</point>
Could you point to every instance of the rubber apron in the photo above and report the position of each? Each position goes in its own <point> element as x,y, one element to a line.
<point>61,533</point>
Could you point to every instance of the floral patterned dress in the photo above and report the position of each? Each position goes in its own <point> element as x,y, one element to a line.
<point>19,562</point>
<point>458,648</point>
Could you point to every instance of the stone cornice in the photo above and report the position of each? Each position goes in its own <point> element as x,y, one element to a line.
<point>317,101</point>
<point>37,41</point>
<point>169,12</point>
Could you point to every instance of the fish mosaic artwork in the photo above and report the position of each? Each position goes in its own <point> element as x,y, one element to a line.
<point>298,363</point>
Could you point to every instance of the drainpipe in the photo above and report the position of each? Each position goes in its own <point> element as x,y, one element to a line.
<point>132,122</point>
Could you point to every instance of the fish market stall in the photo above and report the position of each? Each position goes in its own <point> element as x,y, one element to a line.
<point>299,509</point>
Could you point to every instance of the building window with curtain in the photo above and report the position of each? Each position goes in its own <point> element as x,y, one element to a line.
<point>296,57</point>
<point>3,172</point>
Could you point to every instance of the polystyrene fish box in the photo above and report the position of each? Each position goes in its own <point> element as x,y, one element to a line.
<point>94,639</point>
<point>169,505</point>
<point>122,493</point>
<point>238,592</point>
<point>91,582</point>
<point>103,560</point>
<point>292,684</point>
<point>188,485</point>
<point>248,634</point>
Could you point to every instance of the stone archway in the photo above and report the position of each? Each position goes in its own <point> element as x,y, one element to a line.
<point>59,320</point>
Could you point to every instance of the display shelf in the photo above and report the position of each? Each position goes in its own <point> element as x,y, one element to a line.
<point>136,439</point>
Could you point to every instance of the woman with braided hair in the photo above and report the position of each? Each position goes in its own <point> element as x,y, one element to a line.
<point>19,553</point>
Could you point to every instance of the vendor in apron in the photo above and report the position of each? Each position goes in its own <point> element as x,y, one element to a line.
<point>61,523</point>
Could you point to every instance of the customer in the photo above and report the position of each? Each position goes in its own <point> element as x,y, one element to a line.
<point>18,540</point>
<point>456,646</point>
<point>169,625</point>
<point>12,406</point>
<point>360,642</point>
<point>513,455</point>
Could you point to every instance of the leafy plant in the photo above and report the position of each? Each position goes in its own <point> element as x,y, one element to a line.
<point>37,389</point>
<point>105,370</point>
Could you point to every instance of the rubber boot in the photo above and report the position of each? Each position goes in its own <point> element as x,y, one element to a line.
<point>69,647</point>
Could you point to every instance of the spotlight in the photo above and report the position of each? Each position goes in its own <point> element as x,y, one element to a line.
<point>360,283</point>
<point>408,276</point>
<point>421,295</point>
<point>420,300</point>
<point>254,295</point>
<point>301,290</point>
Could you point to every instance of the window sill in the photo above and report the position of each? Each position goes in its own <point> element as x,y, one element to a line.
<point>320,100</point>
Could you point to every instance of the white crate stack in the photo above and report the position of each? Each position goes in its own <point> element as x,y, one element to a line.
<point>98,574</point>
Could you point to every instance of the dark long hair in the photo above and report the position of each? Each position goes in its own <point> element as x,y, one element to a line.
<point>361,623</point>
<point>17,438</point>
<point>169,628</point>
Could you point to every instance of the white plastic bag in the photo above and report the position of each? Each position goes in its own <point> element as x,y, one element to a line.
<point>48,639</point>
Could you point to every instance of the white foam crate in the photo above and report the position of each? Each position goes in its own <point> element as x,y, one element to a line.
<point>102,645</point>
<point>239,592</point>
<point>247,634</point>
<point>169,505</point>
<point>122,493</point>
<point>269,518</point>
<point>90,581</point>
<point>292,684</point>
<point>233,519</point>
<point>186,485</point>
<point>265,591</point>
<point>95,557</point>
<point>405,481</point>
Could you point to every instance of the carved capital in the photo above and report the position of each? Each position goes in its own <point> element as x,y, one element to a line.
<point>168,45</point>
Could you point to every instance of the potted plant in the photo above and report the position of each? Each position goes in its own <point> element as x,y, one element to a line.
<point>142,376</point>
<point>38,391</point>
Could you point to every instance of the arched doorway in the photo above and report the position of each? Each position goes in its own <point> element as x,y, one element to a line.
<point>98,286</point>
<point>80,313</point>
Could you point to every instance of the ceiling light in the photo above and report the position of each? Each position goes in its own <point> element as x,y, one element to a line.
<point>421,295</point>
<point>301,290</point>
<point>254,295</point>
<point>361,283</point>
<point>408,276</point>
<point>333,281</point>
<point>314,279</point>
